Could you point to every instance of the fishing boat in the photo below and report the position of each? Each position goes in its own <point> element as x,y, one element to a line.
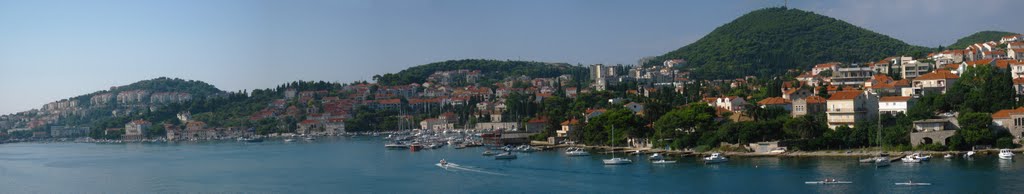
<point>656,156</point>
<point>715,158</point>
<point>615,160</point>
<point>922,157</point>
<point>575,151</point>
<point>505,156</point>
<point>1005,154</point>
<point>663,161</point>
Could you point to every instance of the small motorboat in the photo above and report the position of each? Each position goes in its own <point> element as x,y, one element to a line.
<point>910,159</point>
<point>505,156</point>
<point>663,161</point>
<point>310,138</point>
<point>575,151</point>
<point>289,140</point>
<point>657,156</point>
<point>616,161</point>
<point>1005,154</point>
<point>489,153</point>
<point>715,158</point>
<point>921,157</point>
<point>969,154</point>
<point>948,156</point>
<point>882,161</point>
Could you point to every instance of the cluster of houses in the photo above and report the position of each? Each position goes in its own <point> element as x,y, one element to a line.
<point>863,91</point>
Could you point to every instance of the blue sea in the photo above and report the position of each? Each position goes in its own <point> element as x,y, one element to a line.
<point>362,165</point>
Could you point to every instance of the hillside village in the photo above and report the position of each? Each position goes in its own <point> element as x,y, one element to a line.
<point>841,96</point>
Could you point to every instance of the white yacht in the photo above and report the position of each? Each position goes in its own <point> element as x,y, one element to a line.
<point>715,158</point>
<point>1005,154</point>
<point>617,161</point>
<point>575,151</point>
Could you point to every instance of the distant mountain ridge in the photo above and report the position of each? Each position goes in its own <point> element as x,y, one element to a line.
<point>770,41</point>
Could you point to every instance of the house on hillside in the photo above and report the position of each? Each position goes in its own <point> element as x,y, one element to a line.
<point>893,105</point>
<point>136,130</point>
<point>776,102</point>
<point>937,81</point>
<point>847,107</point>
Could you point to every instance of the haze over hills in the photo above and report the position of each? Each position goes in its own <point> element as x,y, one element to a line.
<point>769,41</point>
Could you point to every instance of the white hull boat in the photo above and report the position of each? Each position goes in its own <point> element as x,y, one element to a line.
<point>505,156</point>
<point>1005,154</point>
<point>663,161</point>
<point>715,158</point>
<point>576,152</point>
<point>827,182</point>
<point>910,159</point>
<point>882,161</point>
<point>617,161</point>
<point>657,156</point>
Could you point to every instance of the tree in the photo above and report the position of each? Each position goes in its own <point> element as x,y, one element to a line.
<point>803,127</point>
<point>974,128</point>
<point>681,127</point>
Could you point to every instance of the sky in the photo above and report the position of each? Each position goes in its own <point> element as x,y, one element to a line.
<point>56,49</point>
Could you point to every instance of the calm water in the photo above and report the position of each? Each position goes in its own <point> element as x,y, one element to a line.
<point>361,165</point>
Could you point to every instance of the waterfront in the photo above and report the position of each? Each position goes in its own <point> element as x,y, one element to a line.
<point>361,164</point>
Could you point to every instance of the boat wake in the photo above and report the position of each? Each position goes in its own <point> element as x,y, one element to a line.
<point>453,166</point>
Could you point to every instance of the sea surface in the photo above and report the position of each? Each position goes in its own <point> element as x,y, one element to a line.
<point>362,165</point>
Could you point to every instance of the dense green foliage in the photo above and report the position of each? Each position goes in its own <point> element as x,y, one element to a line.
<point>770,41</point>
<point>491,70</point>
<point>983,36</point>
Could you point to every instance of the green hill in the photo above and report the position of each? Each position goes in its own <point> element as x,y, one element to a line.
<point>768,41</point>
<point>983,36</point>
<point>492,70</point>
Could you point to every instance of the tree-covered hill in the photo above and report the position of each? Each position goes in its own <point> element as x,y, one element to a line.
<point>769,41</point>
<point>983,36</point>
<point>491,69</point>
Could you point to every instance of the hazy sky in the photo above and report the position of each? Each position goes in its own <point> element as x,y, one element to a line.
<point>51,50</point>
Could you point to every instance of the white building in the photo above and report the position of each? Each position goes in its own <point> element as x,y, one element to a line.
<point>847,107</point>
<point>895,104</point>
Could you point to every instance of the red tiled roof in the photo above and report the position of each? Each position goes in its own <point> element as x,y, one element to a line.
<point>773,101</point>
<point>815,100</point>
<point>845,95</point>
<point>1019,80</point>
<point>571,122</point>
<point>1005,113</point>
<point>894,98</point>
<point>938,74</point>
